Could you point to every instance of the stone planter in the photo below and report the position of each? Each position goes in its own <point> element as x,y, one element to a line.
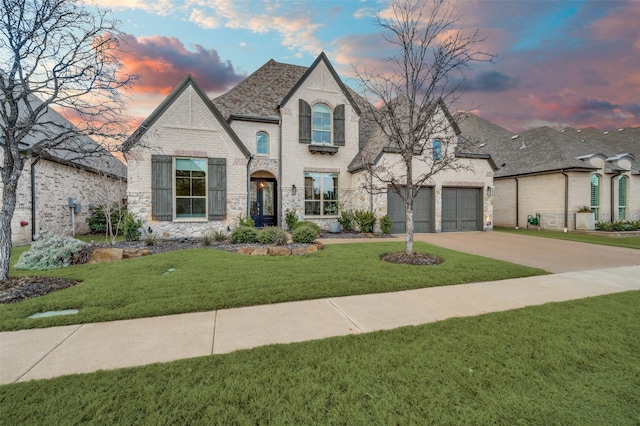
<point>586,221</point>
<point>334,227</point>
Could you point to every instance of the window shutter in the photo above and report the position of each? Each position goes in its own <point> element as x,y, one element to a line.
<point>161,187</point>
<point>338,125</point>
<point>305,121</point>
<point>217,181</point>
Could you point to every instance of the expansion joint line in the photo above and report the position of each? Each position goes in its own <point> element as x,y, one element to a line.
<point>344,314</point>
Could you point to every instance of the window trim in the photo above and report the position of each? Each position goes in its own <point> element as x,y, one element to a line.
<point>262,132</point>
<point>623,182</point>
<point>174,194</point>
<point>330,125</point>
<point>322,201</point>
<point>594,197</point>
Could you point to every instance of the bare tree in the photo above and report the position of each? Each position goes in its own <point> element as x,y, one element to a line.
<point>62,54</point>
<point>421,80</point>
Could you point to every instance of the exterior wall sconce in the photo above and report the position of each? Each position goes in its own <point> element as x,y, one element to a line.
<point>294,190</point>
<point>489,191</point>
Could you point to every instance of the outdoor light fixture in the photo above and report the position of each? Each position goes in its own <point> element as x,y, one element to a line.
<point>294,190</point>
<point>489,191</point>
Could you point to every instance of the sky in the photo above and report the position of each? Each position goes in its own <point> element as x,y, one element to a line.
<point>559,63</point>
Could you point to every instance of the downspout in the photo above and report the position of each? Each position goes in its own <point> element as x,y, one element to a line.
<point>517,202</point>
<point>613,188</point>
<point>371,192</point>
<point>33,199</point>
<point>566,201</point>
<point>249,185</point>
<point>280,180</point>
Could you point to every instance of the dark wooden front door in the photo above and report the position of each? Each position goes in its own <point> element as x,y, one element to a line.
<point>263,202</point>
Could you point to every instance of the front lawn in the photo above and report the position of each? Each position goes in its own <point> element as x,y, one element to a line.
<point>625,242</point>
<point>206,279</point>
<point>571,363</point>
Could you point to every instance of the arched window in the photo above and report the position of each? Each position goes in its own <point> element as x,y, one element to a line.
<point>436,150</point>
<point>595,195</point>
<point>262,143</point>
<point>321,124</point>
<point>622,197</point>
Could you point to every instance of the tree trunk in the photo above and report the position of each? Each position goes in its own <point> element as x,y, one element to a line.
<point>8,207</point>
<point>408,239</point>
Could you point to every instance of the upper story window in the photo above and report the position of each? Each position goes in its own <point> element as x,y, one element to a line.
<point>191,187</point>
<point>321,124</point>
<point>262,143</point>
<point>595,195</point>
<point>436,150</point>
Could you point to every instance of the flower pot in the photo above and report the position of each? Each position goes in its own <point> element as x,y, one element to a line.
<point>334,227</point>
<point>585,221</point>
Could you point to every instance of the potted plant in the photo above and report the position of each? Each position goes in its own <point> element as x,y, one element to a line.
<point>333,209</point>
<point>585,219</point>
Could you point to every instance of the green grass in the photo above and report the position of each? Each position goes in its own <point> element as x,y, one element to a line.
<point>571,363</point>
<point>206,279</point>
<point>625,242</point>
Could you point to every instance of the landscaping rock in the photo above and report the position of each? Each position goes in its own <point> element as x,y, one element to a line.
<point>261,251</point>
<point>279,251</point>
<point>300,251</point>
<point>135,252</point>
<point>104,255</point>
<point>245,250</point>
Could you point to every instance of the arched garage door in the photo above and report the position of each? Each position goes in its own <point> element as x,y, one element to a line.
<point>461,209</point>
<point>422,212</point>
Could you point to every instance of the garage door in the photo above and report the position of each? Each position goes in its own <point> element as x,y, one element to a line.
<point>461,209</point>
<point>422,212</point>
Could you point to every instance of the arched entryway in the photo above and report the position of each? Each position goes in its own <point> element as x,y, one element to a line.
<point>263,205</point>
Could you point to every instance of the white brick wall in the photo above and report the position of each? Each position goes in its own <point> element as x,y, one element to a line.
<point>187,128</point>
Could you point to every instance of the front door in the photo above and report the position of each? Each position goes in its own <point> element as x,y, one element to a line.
<point>263,202</point>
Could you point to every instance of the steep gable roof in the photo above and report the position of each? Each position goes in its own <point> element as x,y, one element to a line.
<point>169,100</point>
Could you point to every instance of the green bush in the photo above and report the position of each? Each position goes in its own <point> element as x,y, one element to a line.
<point>304,234</point>
<point>51,252</point>
<point>244,234</point>
<point>633,225</point>
<point>346,220</point>
<point>385,224</point>
<point>97,219</point>
<point>131,227</point>
<point>604,226</point>
<point>365,220</point>
<point>307,223</point>
<point>272,235</point>
<point>246,222</point>
<point>291,218</point>
<point>619,225</point>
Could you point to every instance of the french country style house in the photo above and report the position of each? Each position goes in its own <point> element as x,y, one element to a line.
<point>287,138</point>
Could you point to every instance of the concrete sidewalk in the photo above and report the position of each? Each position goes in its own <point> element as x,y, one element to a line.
<point>51,352</point>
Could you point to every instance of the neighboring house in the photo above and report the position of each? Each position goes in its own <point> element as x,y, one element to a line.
<point>555,174</point>
<point>50,181</point>
<point>287,138</point>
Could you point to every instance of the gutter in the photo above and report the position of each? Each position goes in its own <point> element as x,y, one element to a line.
<point>33,198</point>
<point>517,203</point>
<point>566,201</point>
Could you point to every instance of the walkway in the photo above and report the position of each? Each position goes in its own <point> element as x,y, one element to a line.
<point>51,352</point>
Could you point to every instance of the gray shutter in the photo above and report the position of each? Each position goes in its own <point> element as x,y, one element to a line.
<point>161,187</point>
<point>305,121</point>
<point>217,181</point>
<point>338,125</point>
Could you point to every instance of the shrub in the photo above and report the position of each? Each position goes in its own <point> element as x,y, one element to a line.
<point>618,225</point>
<point>273,235</point>
<point>604,226</point>
<point>346,220</point>
<point>97,219</point>
<point>385,224</point>
<point>244,234</point>
<point>219,236</point>
<point>585,209</point>
<point>291,218</point>
<point>130,227</point>
<point>365,220</point>
<point>304,234</point>
<point>51,252</point>
<point>246,222</point>
<point>307,223</point>
<point>207,238</point>
<point>634,225</point>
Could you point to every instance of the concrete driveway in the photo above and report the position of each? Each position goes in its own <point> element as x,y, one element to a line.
<point>546,253</point>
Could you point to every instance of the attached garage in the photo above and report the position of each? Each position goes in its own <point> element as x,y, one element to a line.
<point>461,209</point>
<point>422,212</point>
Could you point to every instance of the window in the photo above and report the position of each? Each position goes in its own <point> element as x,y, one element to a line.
<point>262,143</point>
<point>320,194</point>
<point>436,150</point>
<point>595,195</point>
<point>191,187</point>
<point>321,125</point>
<point>622,197</point>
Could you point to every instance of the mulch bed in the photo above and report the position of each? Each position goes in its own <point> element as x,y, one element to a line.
<point>21,288</point>
<point>420,259</point>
